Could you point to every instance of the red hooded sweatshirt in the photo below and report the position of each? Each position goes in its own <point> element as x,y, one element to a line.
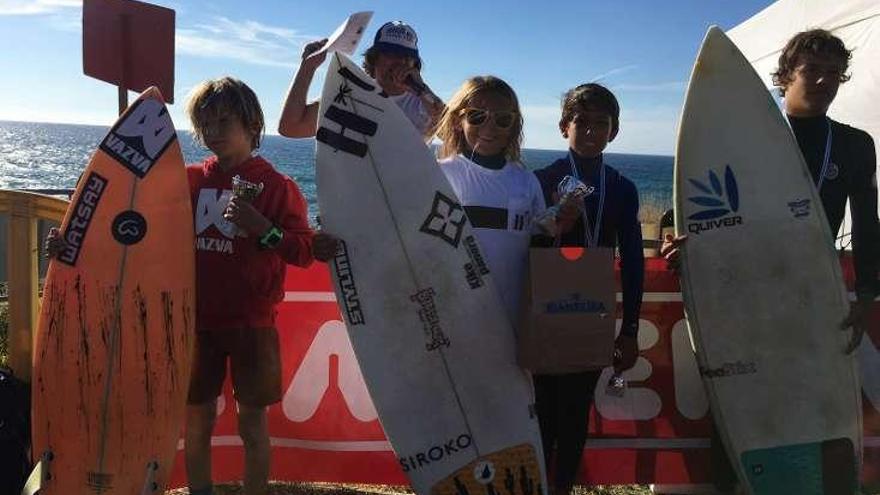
<point>239,283</point>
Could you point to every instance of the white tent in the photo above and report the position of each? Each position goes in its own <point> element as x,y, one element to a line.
<point>856,22</point>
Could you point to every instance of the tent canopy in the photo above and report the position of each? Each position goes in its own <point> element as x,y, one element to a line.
<point>857,22</point>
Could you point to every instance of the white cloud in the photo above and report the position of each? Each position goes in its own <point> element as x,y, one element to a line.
<point>36,7</point>
<point>247,41</point>
<point>613,72</point>
<point>673,86</point>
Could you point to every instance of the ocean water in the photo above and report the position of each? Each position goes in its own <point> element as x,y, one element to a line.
<point>52,156</point>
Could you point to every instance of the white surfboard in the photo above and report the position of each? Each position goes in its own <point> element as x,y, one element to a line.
<point>435,346</point>
<point>762,287</point>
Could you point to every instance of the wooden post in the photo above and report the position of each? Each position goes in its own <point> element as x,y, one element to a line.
<point>124,26</point>
<point>123,99</point>
<point>21,260</point>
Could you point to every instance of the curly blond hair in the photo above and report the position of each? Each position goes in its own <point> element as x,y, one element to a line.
<point>449,128</point>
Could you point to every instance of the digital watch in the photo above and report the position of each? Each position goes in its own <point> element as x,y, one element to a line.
<point>271,238</point>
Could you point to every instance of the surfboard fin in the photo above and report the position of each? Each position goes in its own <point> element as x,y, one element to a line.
<point>41,474</point>
<point>150,484</point>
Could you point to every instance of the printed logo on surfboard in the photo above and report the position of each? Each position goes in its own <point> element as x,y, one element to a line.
<point>430,319</point>
<point>512,471</point>
<point>140,138</point>
<point>129,227</point>
<point>83,212</point>
<point>435,453</point>
<point>484,472</point>
<point>800,208</point>
<point>719,202</point>
<point>348,289</point>
<point>446,220</point>
<point>476,268</point>
<point>348,119</point>
<point>730,369</point>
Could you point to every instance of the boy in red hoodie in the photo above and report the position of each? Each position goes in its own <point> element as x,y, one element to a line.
<point>245,237</point>
<point>250,221</point>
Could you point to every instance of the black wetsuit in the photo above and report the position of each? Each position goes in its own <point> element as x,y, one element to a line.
<point>851,174</point>
<point>563,401</point>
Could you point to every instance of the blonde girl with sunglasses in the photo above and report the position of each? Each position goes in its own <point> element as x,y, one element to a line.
<point>481,130</point>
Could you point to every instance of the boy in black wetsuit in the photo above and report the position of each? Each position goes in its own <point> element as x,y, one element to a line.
<point>842,162</point>
<point>842,159</point>
<point>590,120</point>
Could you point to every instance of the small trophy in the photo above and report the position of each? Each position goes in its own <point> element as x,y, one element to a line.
<point>245,190</point>
<point>616,386</point>
<point>571,192</point>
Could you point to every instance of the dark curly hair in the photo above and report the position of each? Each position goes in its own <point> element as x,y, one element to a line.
<point>372,54</point>
<point>812,42</point>
<point>590,95</point>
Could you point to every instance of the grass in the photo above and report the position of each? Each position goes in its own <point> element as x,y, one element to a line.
<point>652,207</point>
<point>280,488</point>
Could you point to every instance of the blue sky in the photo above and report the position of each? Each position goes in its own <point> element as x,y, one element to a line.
<point>642,49</point>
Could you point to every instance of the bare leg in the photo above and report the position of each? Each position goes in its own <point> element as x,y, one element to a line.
<point>254,430</point>
<point>200,420</point>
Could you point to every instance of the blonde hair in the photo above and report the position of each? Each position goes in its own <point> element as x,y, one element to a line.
<point>449,128</point>
<point>225,95</point>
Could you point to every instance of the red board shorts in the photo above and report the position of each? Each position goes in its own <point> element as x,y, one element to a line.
<point>255,361</point>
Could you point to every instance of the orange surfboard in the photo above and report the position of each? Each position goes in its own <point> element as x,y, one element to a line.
<point>113,348</point>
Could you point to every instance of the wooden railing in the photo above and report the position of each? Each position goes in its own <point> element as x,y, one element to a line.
<point>24,210</point>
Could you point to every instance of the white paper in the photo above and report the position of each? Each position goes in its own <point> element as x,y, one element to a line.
<point>347,36</point>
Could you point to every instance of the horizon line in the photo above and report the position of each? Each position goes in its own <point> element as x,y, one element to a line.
<point>275,134</point>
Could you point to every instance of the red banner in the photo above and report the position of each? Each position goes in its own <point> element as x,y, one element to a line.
<point>326,429</point>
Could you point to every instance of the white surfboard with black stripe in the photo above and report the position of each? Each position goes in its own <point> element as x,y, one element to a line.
<point>430,332</point>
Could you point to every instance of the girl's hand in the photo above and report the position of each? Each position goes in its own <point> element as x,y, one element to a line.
<point>55,244</point>
<point>324,246</point>
<point>245,216</point>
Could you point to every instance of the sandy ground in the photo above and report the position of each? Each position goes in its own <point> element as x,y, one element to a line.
<point>279,488</point>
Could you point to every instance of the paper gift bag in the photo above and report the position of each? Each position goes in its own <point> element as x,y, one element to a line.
<point>568,315</point>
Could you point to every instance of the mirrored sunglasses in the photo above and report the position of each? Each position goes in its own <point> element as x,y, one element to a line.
<point>479,116</point>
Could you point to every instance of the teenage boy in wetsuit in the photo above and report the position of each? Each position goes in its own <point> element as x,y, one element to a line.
<point>842,162</point>
<point>811,68</point>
